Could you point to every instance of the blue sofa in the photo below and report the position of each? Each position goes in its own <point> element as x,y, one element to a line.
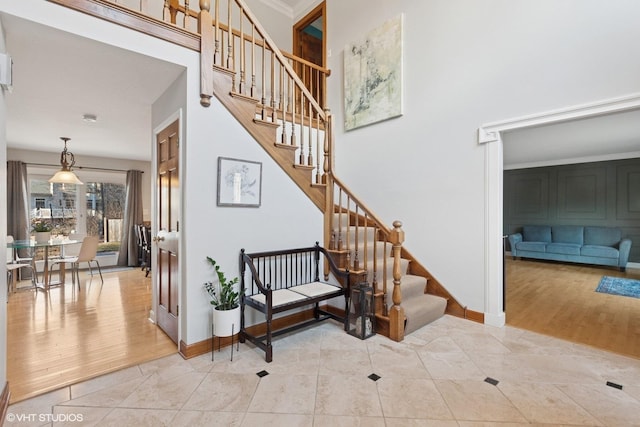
<point>572,243</point>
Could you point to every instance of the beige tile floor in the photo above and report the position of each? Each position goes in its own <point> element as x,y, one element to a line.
<point>319,377</point>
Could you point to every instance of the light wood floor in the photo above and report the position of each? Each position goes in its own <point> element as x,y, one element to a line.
<point>560,300</point>
<point>65,336</point>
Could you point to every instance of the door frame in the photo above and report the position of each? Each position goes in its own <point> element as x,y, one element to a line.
<point>490,136</point>
<point>317,12</point>
<point>178,115</point>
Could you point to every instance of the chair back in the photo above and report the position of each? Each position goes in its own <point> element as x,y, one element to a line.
<point>146,236</point>
<point>88,249</point>
<point>138,230</point>
<point>10,254</point>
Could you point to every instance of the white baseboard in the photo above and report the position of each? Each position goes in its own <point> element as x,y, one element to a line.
<point>497,320</point>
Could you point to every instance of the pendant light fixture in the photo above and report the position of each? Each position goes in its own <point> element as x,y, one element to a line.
<point>67,160</point>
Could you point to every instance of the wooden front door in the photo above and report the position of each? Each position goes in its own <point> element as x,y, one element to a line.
<point>167,238</point>
<point>309,43</point>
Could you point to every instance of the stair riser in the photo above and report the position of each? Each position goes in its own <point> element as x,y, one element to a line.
<point>410,287</point>
<point>350,234</point>
<point>380,253</point>
<point>423,310</point>
<point>380,273</point>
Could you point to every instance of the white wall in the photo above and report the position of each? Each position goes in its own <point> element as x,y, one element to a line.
<point>467,63</point>
<point>278,26</point>
<point>3,226</point>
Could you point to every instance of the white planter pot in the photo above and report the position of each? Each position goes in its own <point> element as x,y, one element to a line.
<point>226,322</point>
<point>42,236</point>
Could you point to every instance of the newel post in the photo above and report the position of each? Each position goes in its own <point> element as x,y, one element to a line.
<point>396,313</point>
<point>206,53</point>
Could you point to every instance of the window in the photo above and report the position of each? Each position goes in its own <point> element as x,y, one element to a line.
<point>105,205</point>
<point>100,214</point>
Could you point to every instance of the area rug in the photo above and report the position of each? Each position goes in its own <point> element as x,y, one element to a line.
<point>619,286</point>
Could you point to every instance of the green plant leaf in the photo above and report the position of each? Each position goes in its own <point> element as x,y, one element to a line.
<point>223,295</point>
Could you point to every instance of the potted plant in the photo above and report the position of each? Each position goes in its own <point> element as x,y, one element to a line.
<point>42,230</point>
<point>226,303</point>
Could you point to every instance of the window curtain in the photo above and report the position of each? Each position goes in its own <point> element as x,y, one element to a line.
<point>17,201</point>
<point>132,216</point>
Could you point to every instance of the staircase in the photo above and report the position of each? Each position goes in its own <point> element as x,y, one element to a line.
<point>371,259</point>
<point>243,68</point>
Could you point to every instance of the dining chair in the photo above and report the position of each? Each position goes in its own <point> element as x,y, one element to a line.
<point>20,259</point>
<point>146,239</point>
<point>141,246</point>
<point>88,251</point>
<point>13,265</point>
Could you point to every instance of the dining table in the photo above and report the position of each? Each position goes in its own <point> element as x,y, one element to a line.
<point>33,245</point>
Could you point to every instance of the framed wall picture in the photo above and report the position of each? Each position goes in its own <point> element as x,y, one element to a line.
<point>239,182</point>
<point>373,76</point>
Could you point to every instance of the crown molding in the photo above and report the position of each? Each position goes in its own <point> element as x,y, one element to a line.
<point>279,6</point>
<point>490,132</point>
<point>304,7</point>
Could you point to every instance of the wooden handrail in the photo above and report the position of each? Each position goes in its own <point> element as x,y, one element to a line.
<point>301,86</point>
<point>379,223</point>
<point>302,61</point>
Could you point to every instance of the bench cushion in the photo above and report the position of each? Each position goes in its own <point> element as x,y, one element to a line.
<point>315,289</point>
<point>297,293</point>
<point>280,297</point>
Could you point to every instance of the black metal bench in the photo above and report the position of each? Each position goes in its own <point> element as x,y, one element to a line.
<point>285,280</point>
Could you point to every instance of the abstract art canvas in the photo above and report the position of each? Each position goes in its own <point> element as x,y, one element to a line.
<point>373,76</point>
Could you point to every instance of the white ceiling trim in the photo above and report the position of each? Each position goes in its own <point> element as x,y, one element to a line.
<point>304,7</point>
<point>490,132</point>
<point>573,160</point>
<point>279,6</point>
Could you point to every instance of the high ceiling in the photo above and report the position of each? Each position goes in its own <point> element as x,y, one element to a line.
<point>58,77</point>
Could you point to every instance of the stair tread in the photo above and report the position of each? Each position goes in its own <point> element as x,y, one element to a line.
<point>266,123</point>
